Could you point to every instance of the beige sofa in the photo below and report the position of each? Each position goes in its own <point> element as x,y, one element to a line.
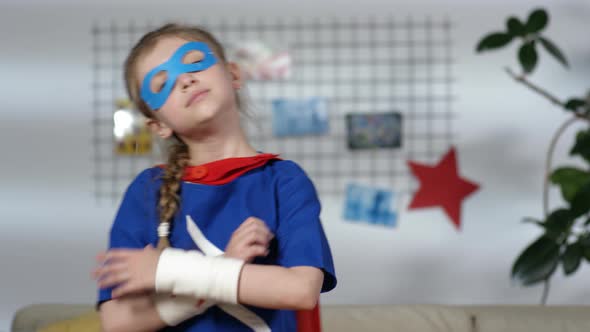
<point>398,318</point>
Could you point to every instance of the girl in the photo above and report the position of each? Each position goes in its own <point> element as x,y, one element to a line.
<point>240,246</point>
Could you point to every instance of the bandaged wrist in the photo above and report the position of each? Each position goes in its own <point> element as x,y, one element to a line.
<point>174,310</point>
<point>190,273</point>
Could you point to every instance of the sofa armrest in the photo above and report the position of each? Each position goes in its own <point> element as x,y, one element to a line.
<point>35,316</point>
<point>377,318</point>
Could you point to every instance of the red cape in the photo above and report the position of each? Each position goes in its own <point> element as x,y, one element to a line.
<point>225,170</point>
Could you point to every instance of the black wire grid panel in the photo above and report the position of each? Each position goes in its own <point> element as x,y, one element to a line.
<point>360,65</point>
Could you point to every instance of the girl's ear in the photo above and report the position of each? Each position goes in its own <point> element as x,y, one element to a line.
<point>159,128</point>
<point>236,75</point>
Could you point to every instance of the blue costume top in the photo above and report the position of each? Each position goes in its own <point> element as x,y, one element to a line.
<point>278,192</point>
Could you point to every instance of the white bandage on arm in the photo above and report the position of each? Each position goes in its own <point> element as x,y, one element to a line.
<point>190,273</point>
<point>177,309</point>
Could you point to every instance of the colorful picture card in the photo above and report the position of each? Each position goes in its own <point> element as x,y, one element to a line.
<point>369,205</point>
<point>374,130</point>
<point>298,117</point>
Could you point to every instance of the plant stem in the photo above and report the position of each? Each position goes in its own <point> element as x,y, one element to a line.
<point>548,159</point>
<point>522,79</point>
<point>545,292</point>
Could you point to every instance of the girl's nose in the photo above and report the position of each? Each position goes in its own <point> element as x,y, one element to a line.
<point>187,79</point>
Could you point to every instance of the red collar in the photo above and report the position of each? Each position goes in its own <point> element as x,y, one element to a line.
<point>225,170</point>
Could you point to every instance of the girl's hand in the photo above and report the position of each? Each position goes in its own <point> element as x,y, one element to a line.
<point>250,240</point>
<point>130,271</point>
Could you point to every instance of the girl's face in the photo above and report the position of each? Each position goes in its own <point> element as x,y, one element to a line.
<point>196,98</point>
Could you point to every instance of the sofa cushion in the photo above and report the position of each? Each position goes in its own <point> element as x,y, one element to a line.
<point>531,318</point>
<point>399,318</point>
<point>87,322</point>
<point>34,316</point>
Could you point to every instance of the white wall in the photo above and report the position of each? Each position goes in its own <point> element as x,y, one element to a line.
<point>52,227</point>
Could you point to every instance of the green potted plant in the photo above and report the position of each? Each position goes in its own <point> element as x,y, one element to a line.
<point>565,240</point>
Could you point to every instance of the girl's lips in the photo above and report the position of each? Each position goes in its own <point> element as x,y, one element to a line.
<point>197,96</point>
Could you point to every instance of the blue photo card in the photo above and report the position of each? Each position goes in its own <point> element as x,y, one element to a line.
<point>374,130</point>
<point>370,205</point>
<point>297,117</point>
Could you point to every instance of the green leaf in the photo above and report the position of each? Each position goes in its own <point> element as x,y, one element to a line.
<point>553,50</point>
<point>580,204</point>
<point>575,103</point>
<point>493,40</point>
<point>570,180</point>
<point>527,55</point>
<point>515,27</point>
<point>537,21</point>
<point>585,242</point>
<point>582,145</point>
<point>558,223</point>
<point>537,262</point>
<point>532,220</point>
<point>572,257</point>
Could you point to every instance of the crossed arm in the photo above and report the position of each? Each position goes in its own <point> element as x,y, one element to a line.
<point>274,287</point>
<point>133,308</point>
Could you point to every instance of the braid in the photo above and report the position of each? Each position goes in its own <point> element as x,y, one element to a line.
<point>178,158</point>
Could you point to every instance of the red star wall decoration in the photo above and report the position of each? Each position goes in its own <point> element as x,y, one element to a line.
<point>442,186</point>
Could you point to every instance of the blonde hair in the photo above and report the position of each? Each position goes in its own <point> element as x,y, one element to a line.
<point>178,153</point>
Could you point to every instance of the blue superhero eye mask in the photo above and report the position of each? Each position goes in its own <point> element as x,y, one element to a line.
<point>155,97</point>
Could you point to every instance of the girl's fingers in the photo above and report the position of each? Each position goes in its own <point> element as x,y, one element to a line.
<point>255,251</point>
<point>257,238</point>
<point>249,226</point>
<point>101,256</point>
<point>114,255</point>
<point>252,220</point>
<point>122,290</point>
<point>113,268</point>
<point>260,236</point>
<point>256,234</point>
<point>250,239</point>
<point>127,288</point>
<point>251,223</point>
<point>113,279</point>
<point>245,228</point>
